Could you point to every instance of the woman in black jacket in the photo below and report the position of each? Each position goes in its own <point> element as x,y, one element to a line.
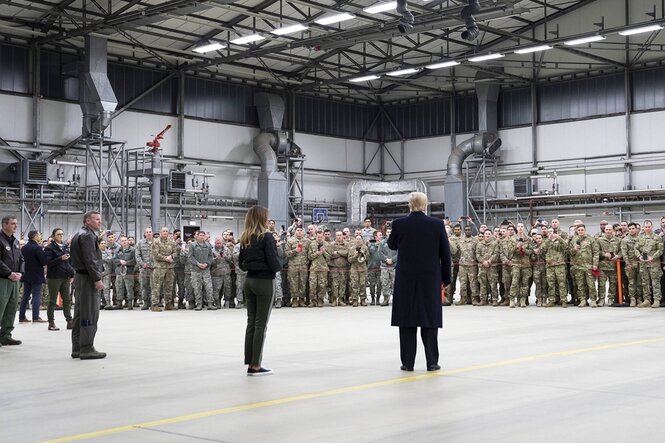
<point>58,275</point>
<point>258,256</point>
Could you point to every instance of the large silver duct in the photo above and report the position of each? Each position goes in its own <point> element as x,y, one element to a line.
<point>272,185</point>
<point>96,94</point>
<point>487,139</point>
<point>359,193</point>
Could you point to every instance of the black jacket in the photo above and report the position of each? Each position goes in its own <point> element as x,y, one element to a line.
<point>11,259</point>
<point>57,267</point>
<point>259,259</point>
<point>86,256</point>
<point>33,254</point>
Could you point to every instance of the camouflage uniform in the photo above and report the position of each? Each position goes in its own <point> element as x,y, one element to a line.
<point>488,279</point>
<point>582,262</point>
<point>608,268</point>
<point>189,294</point>
<point>357,257</point>
<point>144,256</point>
<point>162,276</point>
<point>278,289</point>
<point>296,252</point>
<point>454,252</point>
<point>374,272</point>
<point>124,278</point>
<point>339,265</point>
<point>240,277</point>
<point>387,271</point>
<point>220,272</point>
<point>201,253</point>
<point>555,258</point>
<point>318,272</point>
<point>179,271</point>
<point>521,271</point>
<point>539,270</point>
<point>652,246</point>
<point>113,250</point>
<point>107,263</point>
<point>506,251</point>
<point>468,270</point>
<point>632,269</point>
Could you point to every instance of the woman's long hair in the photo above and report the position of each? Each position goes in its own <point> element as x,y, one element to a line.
<point>256,222</point>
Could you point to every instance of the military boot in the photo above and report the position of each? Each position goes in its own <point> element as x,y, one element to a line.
<point>582,303</point>
<point>363,302</point>
<point>181,304</point>
<point>505,302</point>
<point>495,302</point>
<point>601,302</point>
<point>294,302</point>
<point>633,302</point>
<point>91,354</point>
<point>373,302</point>
<point>656,304</point>
<point>52,326</point>
<point>522,303</point>
<point>341,302</point>
<point>512,303</point>
<point>386,301</point>
<point>355,303</point>
<point>301,303</point>
<point>333,303</point>
<point>483,302</point>
<point>594,304</point>
<point>549,304</point>
<point>462,301</point>
<point>564,304</point>
<point>645,304</point>
<point>319,303</point>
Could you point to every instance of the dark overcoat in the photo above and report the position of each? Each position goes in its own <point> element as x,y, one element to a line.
<point>33,254</point>
<point>423,263</point>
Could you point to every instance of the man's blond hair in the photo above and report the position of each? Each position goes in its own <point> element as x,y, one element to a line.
<point>417,202</point>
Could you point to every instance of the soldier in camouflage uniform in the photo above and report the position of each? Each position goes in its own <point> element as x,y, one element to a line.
<point>281,257</point>
<point>539,268</point>
<point>112,247</point>
<point>454,252</point>
<point>145,263</point>
<point>339,265</point>
<point>240,277</point>
<point>388,261</point>
<point>163,251</point>
<point>189,294</point>
<point>200,257</point>
<point>609,250</point>
<point>318,255</point>
<point>137,278</point>
<point>521,269</point>
<point>468,268</point>
<point>584,256</point>
<point>487,254</point>
<point>507,244</point>
<point>220,272</point>
<point>107,265</point>
<point>648,250</point>
<point>555,249</point>
<point>179,269</point>
<point>374,267</point>
<point>124,262</point>
<point>632,264</point>
<point>296,253</point>
<point>358,256</point>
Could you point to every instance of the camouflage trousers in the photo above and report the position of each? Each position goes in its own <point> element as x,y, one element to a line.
<point>387,283</point>
<point>651,279</point>
<point>222,287</point>
<point>240,286</point>
<point>605,290</point>
<point>277,287</point>
<point>201,282</point>
<point>179,282</point>
<point>137,286</point>
<point>585,284</point>
<point>318,283</point>
<point>453,283</point>
<point>358,284</point>
<point>106,292</point>
<point>297,283</point>
<point>468,281</point>
<point>519,286</point>
<point>339,278</point>
<point>507,279</point>
<point>634,281</point>
<point>145,276</point>
<point>488,282</point>
<point>374,282</point>
<point>162,284</point>
<point>189,295</point>
<point>556,280</point>
<point>540,280</point>
<point>124,286</point>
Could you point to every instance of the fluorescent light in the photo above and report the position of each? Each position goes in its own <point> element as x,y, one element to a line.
<point>329,20</point>
<point>248,39</point>
<point>447,64</point>
<point>482,58</point>
<point>209,48</point>
<point>364,79</point>
<point>634,31</point>
<point>380,7</point>
<point>63,211</point>
<point>533,49</point>
<point>289,29</point>
<point>403,72</point>
<point>581,41</point>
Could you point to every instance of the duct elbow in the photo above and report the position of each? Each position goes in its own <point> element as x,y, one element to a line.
<point>472,31</point>
<point>263,148</point>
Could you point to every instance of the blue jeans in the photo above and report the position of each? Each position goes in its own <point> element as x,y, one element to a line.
<point>36,290</point>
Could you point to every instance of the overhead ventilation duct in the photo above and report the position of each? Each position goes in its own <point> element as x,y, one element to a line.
<point>272,185</point>
<point>485,141</point>
<point>472,31</point>
<point>97,98</point>
<point>360,193</point>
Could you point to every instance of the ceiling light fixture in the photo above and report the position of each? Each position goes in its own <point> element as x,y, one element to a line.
<point>403,72</point>
<point>289,29</point>
<point>380,7</point>
<point>365,78</point>
<point>583,40</point>
<point>533,49</point>
<point>247,39</point>
<point>447,64</point>
<point>482,58</point>
<point>329,20</point>
<point>641,30</point>
<point>209,47</point>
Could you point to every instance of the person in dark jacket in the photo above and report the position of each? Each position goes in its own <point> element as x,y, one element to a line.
<point>33,278</point>
<point>11,261</point>
<point>423,264</point>
<point>258,257</point>
<point>58,277</point>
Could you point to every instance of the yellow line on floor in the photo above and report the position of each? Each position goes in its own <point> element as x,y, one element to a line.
<point>364,387</point>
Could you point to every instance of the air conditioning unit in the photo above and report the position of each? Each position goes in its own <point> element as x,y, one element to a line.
<point>176,182</point>
<point>522,187</point>
<point>31,172</point>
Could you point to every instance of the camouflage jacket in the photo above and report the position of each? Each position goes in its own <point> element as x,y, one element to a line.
<point>160,250</point>
<point>385,253</point>
<point>297,255</point>
<point>222,261</point>
<point>319,261</point>
<point>555,251</point>
<point>628,250</point>
<point>200,253</point>
<point>487,251</point>
<point>144,254</point>
<point>128,255</point>
<point>467,246</point>
<point>506,250</point>
<point>339,253</point>
<point>453,240</point>
<point>611,246</point>
<point>652,246</point>
<point>586,256</point>
<point>358,256</point>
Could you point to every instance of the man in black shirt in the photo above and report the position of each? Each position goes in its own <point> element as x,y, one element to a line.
<point>86,259</point>
<point>10,275</point>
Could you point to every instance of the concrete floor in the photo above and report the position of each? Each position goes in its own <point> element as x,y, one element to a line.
<point>513,375</point>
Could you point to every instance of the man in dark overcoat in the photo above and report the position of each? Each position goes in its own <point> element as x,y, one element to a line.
<point>423,265</point>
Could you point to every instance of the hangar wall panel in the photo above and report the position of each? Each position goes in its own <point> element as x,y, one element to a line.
<point>516,146</point>
<point>648,132</point>
<point>426,154</point>
<point>16,121</point>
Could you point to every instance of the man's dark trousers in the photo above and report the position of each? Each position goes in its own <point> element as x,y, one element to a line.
<point>408,345</point>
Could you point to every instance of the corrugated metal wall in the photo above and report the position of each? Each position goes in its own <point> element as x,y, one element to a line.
<point>335,118</point>
<point>514,107</point>
<point>648,89</point>
<point>426,119</point>
<point>130,81</point>
<point>14,66</point>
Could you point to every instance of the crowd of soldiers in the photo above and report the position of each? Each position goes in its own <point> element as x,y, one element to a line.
<point>499,266</point>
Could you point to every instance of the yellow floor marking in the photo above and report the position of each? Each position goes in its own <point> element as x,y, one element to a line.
<point>364,387</point>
